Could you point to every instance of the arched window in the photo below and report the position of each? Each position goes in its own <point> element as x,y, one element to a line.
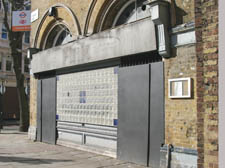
<point>122,12</point>
<point>127,14</point>
<point>59,35</point>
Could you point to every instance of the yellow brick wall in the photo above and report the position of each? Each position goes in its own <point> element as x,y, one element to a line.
<point>206,21</point>
<point>33,101</point>
<point>181,114</point>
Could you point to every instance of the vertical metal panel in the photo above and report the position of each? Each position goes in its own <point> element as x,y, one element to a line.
<point>133,114</point>
<point>156,113</point>
<point>49,110</point>
<point>39,92</point>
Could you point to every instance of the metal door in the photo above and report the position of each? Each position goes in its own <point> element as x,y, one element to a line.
<point>133,114</point>
<point>156,113</point>
<point>141,114</point>
<point>47,110</point>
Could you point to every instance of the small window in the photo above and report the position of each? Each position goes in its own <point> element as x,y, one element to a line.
<point>58,36</point>
<point>26,65</point>
<point>27,7</point>
<point>4,32</point>
<point>8,65</point>
<point>0,65</point>
<point>27,37</point>
<point>7,6</point>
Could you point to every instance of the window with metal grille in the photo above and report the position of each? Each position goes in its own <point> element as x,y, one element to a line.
<point>139,59</point>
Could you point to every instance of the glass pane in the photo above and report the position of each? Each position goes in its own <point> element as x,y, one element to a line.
<point>52,36</point>
<point>8,65</point>
<point>61,38</point>
<point>127,16</point>
<point>26,65</point>
<point>4,35</point>
<point>27,37</point>
<point>4,32</point>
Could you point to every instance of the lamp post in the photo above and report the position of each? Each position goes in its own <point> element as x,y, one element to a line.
<point>2,91</point>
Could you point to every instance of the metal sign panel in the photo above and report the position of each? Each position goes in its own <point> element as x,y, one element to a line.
<point>133,114</point>
<point>34,15</point>
<point>21,21</point>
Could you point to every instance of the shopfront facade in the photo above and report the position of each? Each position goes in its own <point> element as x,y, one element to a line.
<point>117,78</point>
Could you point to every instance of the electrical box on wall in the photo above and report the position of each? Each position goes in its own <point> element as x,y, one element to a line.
<point>180,88</point>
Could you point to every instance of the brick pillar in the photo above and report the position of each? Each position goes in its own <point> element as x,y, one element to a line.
<point>206,20</point>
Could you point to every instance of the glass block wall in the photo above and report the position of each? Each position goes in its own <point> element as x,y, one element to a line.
<point>88,97</point>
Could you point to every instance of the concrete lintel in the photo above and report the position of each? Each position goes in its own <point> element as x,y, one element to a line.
<point>137,37</point>
<point>181,39</point>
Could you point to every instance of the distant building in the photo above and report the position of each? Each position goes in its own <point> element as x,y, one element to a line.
<point>131,79</point>
<point>7,75</point>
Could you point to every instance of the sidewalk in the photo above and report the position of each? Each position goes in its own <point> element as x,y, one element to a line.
<point>16,151</point>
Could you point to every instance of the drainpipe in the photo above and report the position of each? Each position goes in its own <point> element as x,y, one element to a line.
<point>169,151</point>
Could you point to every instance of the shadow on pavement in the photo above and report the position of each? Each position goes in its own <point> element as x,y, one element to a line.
<point>9,133</point>
<point>30,161</point>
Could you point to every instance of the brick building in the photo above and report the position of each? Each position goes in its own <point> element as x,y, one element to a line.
<point>9,102</point>
<point>131,79</point>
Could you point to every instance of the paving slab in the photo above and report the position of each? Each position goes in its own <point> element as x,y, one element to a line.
<point>17,151</point>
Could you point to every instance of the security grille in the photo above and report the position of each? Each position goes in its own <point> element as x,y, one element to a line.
<point>140,59</point>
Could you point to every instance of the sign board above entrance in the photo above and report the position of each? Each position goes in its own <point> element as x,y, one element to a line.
<point>21,21</point>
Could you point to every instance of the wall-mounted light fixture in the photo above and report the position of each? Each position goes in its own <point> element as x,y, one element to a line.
<point>31,51</point>
<point>52,11</point>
